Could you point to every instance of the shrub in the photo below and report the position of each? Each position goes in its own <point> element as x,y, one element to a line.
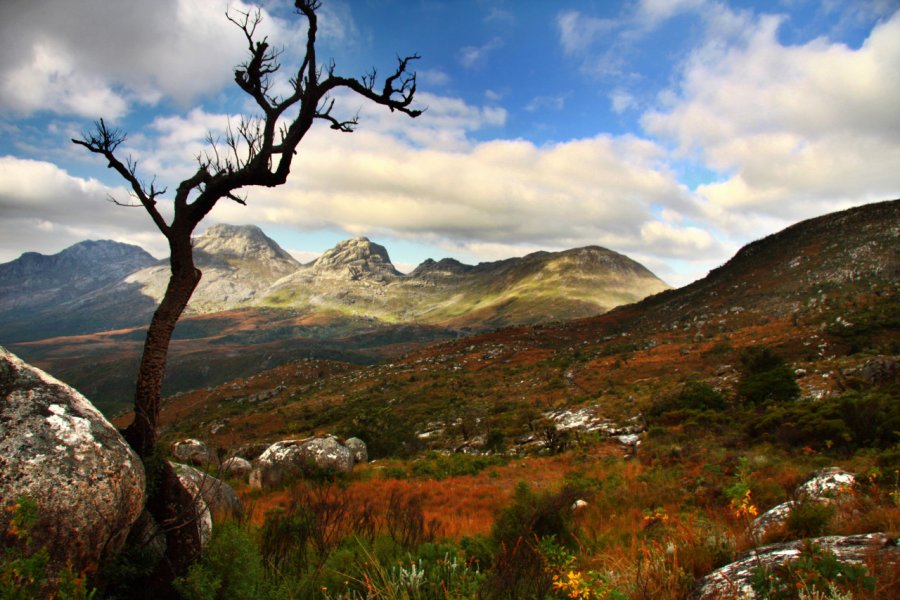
<point>846,423</point>
<point>385,432</point>
<point>519,569</point>
<point>231,568</point>
<point>405,520</point>
<point>765,378</point>
<point>808,518</point>
<point>693,396</point>
<point>25,570</point>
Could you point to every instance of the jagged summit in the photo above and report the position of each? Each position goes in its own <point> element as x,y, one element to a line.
<point>240,242</point>
<point>357,257</point>
<point>446,267</point>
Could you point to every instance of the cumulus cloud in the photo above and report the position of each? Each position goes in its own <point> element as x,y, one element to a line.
<point>105,56</point>
<point>475,56</point>
<point>497,194</point>
<point>46,210</point>
<point>577,31</point>
<point>794,130</point>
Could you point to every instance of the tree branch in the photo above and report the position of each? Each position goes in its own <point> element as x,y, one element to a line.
<point>104,141</point>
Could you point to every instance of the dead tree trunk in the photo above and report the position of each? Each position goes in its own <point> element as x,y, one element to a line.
<point>258,152</point>
<point>142,432</point>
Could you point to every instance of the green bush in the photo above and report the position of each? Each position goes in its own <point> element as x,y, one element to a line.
<point>440,466</point>
<point>765,378</point>
<point>693,399</point>
<point>25,569</point>
<point>808,518</point>
<point>231,568</point>
<point>847,423</point>
<point>385,432</point>
<point>518,566</point>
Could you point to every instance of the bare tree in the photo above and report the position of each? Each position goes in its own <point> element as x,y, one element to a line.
<point>258,151</point>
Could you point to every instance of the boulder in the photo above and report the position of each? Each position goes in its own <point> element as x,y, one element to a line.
<point>733,580</point>
<point>193,452</point>
<point>220,497</point>
<point>328,454</point>
<point>291,459</point>
<point>57,450</point>
<point>236,467</point>
<point>881,370</point>
<point>825,485</point>
<point>358,450</point>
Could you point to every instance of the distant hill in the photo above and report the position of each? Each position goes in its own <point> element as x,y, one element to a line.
<point>43,296</point>
<point>824,294</point>
<point>257,307</point>
<point>99,286</point>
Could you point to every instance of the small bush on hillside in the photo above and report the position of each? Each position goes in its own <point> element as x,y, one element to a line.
<point>440,466</point>
<point>519,569</point>
<point>847,423</point>
<point>808,518</point>
<point>384,431</point>
<point>231,568</point>
<point>25,569</point>
<point>693,396</point>
<point>765,378</point>
<point>405,520</point>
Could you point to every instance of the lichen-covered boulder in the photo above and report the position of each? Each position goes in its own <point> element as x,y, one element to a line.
<point>236,467</point>
<point>279,463</point>
<point>192,452</point>
<point>734,580</point>
<point>213,499</point>
<point>291,459</point>
<point>59,451</point>
<point>823,486</point>
<point>328,454</point>
<point>358,450</point>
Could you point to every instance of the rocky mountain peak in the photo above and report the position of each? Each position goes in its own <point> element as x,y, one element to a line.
<point>446,267</point>
<point>89,261</point>
<point>358,257</point>
<point>240,242</point>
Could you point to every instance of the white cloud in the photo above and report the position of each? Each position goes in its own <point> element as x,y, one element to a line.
<point>101,57</point>
<point>497,194</point>
<point>653,12</point>
<point>433,77</point>
<point>797,130</point>
<point>475,56</point>
<point>541,103</point>
<point>621,100</point>
<point>577,31</point>
<point>46,210</point>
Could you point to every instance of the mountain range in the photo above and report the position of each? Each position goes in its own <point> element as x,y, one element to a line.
<point>100,286</point>
<point>823,294</point>
<point>82,312</point>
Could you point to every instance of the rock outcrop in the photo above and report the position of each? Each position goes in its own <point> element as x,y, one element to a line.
<point>57,450</point>
<point>291,459</point>
<point>193,452</point>
<point>824,486</point>
<point>214,498</point>
<point>733,580</point>
<point>358,450</point>
<point>236,467</point>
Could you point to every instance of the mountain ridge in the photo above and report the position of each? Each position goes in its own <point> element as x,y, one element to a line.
<point>244,268</point>
<point>811,281</point>
<point>823,294</point>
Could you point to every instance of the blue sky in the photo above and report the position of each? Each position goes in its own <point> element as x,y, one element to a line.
<point>673,131</point>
